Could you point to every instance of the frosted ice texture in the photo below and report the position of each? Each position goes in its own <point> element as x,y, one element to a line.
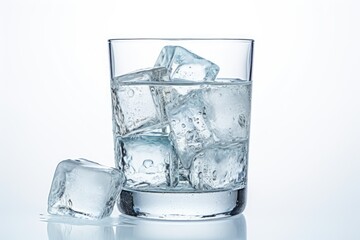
<point>84,189</point>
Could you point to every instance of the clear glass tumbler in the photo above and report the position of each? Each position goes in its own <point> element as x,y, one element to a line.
<point>181,122</point>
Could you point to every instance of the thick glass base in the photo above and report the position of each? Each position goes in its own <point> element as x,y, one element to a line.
<point>182,205</point>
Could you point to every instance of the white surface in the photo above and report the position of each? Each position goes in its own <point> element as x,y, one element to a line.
<point>304,152</point>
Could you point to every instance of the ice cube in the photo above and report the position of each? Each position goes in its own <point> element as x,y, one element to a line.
<point>60,231</point>
<point>148,161</point>
<point>220,167</point>
<point>207,114</point>
<point>183,110</point>
<point>189,128</point>
<point>185,65</point>
<point>136,106</point>
<point>84,189</point>
<point>228,111</point>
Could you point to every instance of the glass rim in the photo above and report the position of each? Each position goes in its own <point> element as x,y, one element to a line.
<point>182,39</point>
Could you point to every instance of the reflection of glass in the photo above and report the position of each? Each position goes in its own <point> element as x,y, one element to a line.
<point>62,228</point>
<point>59,231</point>
<point>223,229</point>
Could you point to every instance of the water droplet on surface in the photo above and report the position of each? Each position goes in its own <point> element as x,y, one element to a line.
<point>183,125</point>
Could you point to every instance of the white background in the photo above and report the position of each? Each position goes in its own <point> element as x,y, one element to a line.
<point>304,178</point>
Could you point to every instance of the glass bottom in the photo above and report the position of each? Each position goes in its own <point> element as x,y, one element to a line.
<point>182,205</point>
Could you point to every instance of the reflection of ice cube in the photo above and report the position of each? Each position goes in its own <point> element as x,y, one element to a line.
<point>136,106</point>
<point>148,160</point>
<point>185,65</point>
<point>84,189</point>
<point>62,231</point>
<point>189,130</point>
<point>219,167</point>
<point>228,111</point>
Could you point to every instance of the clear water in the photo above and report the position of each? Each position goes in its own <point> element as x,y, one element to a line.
<point>181,136</point>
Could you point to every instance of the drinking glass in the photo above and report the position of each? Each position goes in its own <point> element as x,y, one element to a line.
<point>181,124</point>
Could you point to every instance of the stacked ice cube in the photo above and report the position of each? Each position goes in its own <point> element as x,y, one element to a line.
<point>168,124</point>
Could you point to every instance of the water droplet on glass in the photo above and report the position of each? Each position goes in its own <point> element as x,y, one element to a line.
<point>214,175</point>
<point>131,123</point>
<point>130,93</point>
<point>148,163</point>
<point>242,120</point>
<point>189,135</point>
<point>142,184</point>
<point>129,180</point>
<point>183,125</point>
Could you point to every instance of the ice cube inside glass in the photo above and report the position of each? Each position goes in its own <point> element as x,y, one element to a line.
<point>84,189</point>
<point>183,64</point>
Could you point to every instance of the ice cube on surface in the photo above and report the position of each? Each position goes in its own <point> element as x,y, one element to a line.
<point>189,128</point>
<point>147,161</point>
<point>185,65</point>
<point>136,106</point>
<point>84,189</point>
<point>220,167</point>
<point>228,111</point>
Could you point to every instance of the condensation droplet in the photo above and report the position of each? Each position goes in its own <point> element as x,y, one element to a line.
<point>130,93</point>
<point>131,123</point>
<point>189,135</point>
<point>148,163</point>
<point>214,175</point>
<point>183,125</point>
<point>242,121</point>
<point>142,184</point>
<point>129,180</point>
